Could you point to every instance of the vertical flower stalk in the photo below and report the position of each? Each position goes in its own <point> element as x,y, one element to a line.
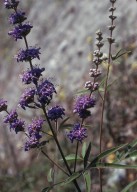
<point>84,103</point>
<point>111,40</point>
<point>42,94</point>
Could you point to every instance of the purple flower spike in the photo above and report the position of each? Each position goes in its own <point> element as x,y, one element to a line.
<point>27,98</point>
<point>55,113</point>
<point>83,103</point>
<point>20,31</point>
<point>17,17</point>
<point>77,133</point>
<point>11,117</point>
<point>34,130</point>
<point>33,75</point>
<point>17,125</point>
<point>28,54</point>
<point>3,105</point>
<point>45,92</point>
<point>11,5</point>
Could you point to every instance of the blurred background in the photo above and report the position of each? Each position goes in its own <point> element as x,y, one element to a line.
<point>65,31</point>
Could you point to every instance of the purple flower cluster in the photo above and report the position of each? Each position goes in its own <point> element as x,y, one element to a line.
<point>55,113</point>
<point>20,31</point>
<point>11,4</point>
<point>3,105</point>
<point>33,75</point>
<point>16,124</point>
<point>17,17</point>
<point>83,103</point>
<point>27,98</point>
<point>45,92</point>
<point>34,134</point>
<point>77,133</point>
<point>28,54</point>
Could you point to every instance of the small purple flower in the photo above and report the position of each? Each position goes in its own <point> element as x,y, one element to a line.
<point>35,127</point>
<point>77,133</point>
<point>31,143</point>
<point>20,31</point>
<point>33,75</point>
<point>11,5</point>
<point>17,17</point>
<point>28,54</point>
<point>55,113</point>
<point>17,125</point>
<point>27,98</point>
<point>45,92</point>
<point>83,103</point>
<point>3,105</point>
<point>11,117</point>
<point>34,130</point>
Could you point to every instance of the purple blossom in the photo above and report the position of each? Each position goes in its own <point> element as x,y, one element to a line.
<point>17,17</point>
<point>20,31</point>
<point>35,127</point>
<point>83,103</point>
<point>11,117</point>
<point>17,125</point>
<point>77,133</point>
<point>27,98</point>
<point>28,54</point>
<point>55,113</point>
<point>34,130</point>
<point>33,142</point>
<point>11,4</point>
<point>32,75</point>
<point>3,105</point>
<point>45,92</point>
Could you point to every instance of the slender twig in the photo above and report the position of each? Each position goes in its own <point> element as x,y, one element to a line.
<point>110,40</point>
<point>54,163</point>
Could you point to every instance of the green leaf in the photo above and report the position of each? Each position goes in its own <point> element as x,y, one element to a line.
<point>84,146</point>
<point>129,186</point>
<point>113,165</point>
<point>87,178</point>
<point>128,151</point>
<point>119,54</point>
<point>87,155</point>
<point>49,176</point>
<point>105,154</point>
<point>72,157</point>
<point>71,178</point>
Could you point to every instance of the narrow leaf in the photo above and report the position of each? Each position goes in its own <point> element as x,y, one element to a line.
<point>87,178</point>
<point>129,186</point>
<point>114,165</point>
<point>72,157</point>
<point>105,154</point>
<point>84,149</point>
<point>71,178</point>
<point>87,155</point>
<point>49,176</point>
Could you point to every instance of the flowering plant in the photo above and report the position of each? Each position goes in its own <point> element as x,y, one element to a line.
<point>39,96</point>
